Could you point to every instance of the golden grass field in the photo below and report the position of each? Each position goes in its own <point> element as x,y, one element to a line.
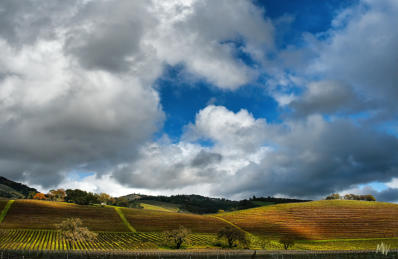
<point>153,220</point>
<point>320,219</point>
<point>319,225</point>
<point>309,220</point>
<point>32,214</point>
<point>160,206</point>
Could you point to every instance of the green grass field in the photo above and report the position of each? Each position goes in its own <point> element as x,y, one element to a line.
<point>345,244</point>
<point>5,209</point>
<point>107,241</point>
<point>30,239</point>
<point>321,225</point>
<point>3,203</point>
<point>160,206</point>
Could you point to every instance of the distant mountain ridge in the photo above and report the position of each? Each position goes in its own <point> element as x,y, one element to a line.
<point>15,190</point>
<point>202,205</point>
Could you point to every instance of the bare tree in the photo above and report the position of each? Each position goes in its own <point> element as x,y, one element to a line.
<point>178,236</point>
<point>233,235</point>
<point>72,230</point>
<point>287,241</point>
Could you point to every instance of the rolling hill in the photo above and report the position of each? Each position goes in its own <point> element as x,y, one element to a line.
<point>320,219</point>
<point>160,206</point>
<point>310,220</point>
<point>33,214</point>
<point>14,190</point>
<point>154,221</point>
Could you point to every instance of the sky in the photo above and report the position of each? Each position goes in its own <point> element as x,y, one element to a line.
<point>212,97</point>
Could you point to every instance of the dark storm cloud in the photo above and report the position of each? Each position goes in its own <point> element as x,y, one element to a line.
<point>167,167</point>
<point>318,158</point>
<point>388,195</point>
<point>361,52</point>
<point>113,40</point>
<point>106,50</point>
<point>43,143</point>
<point>23,22</point>
<point>329,97</point>
<point>173,177</point>
<point>205,158</point>
<point>57,117</point>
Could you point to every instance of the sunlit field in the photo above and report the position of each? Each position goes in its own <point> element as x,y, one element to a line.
<point>321,225</point>
<point>320,219</point>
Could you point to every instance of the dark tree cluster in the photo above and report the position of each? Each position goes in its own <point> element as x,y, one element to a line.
<point>276,200</point>
<point>354,197</point>
<point>81,197</point>
<point>88,198</point>
<point>201,205</point>
<point>195,203</point>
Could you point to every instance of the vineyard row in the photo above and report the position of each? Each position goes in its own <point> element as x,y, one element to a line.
<point>46,240</point>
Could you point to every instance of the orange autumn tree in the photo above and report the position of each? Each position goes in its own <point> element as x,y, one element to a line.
<point>40,196</point>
